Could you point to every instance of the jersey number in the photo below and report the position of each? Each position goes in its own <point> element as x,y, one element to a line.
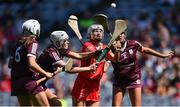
<point>17,55</point>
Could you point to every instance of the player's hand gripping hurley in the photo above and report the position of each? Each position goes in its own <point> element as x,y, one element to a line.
<point>120,26</point>
<point>67,67</point>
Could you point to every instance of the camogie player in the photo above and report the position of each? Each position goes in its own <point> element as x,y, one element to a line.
<point>25,70</point>
<point>52,60</point>
<point>127,73</point>
<point>86,90</point>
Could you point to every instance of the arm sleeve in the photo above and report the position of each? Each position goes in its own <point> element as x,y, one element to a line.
<point>87,47</point>
<point>139,46</point>
<point>56,59</point>
<point>32,49</point>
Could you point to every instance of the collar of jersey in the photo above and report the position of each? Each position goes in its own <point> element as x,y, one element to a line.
<point>124,47</point>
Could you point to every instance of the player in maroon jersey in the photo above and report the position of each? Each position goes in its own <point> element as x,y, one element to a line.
<point>127,73</point>
<point>52,58</point>
<point>86,89</point>
<point>25,70</point>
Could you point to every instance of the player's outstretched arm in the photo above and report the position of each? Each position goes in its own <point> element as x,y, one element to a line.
<point>158,54</point>
<point>82,56</point>
<point>90,68</point>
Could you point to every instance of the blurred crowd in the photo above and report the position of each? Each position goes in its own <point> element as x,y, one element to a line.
<point>154,23</point>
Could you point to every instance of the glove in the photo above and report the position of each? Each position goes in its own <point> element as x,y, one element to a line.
<point>98,52</point>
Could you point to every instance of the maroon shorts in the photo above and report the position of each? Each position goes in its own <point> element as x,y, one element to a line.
<point>26,86</point>
<point>128,85</point>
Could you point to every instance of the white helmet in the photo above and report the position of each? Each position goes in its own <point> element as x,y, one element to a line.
<point>30,27</point>
<point>93,27</point>
<point>58,37</point>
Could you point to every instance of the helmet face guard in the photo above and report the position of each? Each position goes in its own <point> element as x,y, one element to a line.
<point>94,28</point>
<point>58,38</point>
<point>31,27</point>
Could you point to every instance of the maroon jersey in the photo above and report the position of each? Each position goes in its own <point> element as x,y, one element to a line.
<point>50,57</point>
<point>20,62</point>
<point>127,71</point>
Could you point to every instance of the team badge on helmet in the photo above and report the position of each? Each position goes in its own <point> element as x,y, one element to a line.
<point>30,27</point>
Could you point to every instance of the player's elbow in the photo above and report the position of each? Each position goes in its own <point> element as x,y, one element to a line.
<point>31,66</point>
<point>146,50</point>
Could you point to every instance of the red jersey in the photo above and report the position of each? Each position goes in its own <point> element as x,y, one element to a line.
<point>90,47</point>
<point>87,84</point>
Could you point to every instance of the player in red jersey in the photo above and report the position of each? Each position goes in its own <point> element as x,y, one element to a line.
<point>52,59</point>
<point>127,73</point>
<point>86,90</point>
<point>25,70</point>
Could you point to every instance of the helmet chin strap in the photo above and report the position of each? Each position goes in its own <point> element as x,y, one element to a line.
<point>55,45</point>
<point>122,42</point>
<point>61,47</point>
